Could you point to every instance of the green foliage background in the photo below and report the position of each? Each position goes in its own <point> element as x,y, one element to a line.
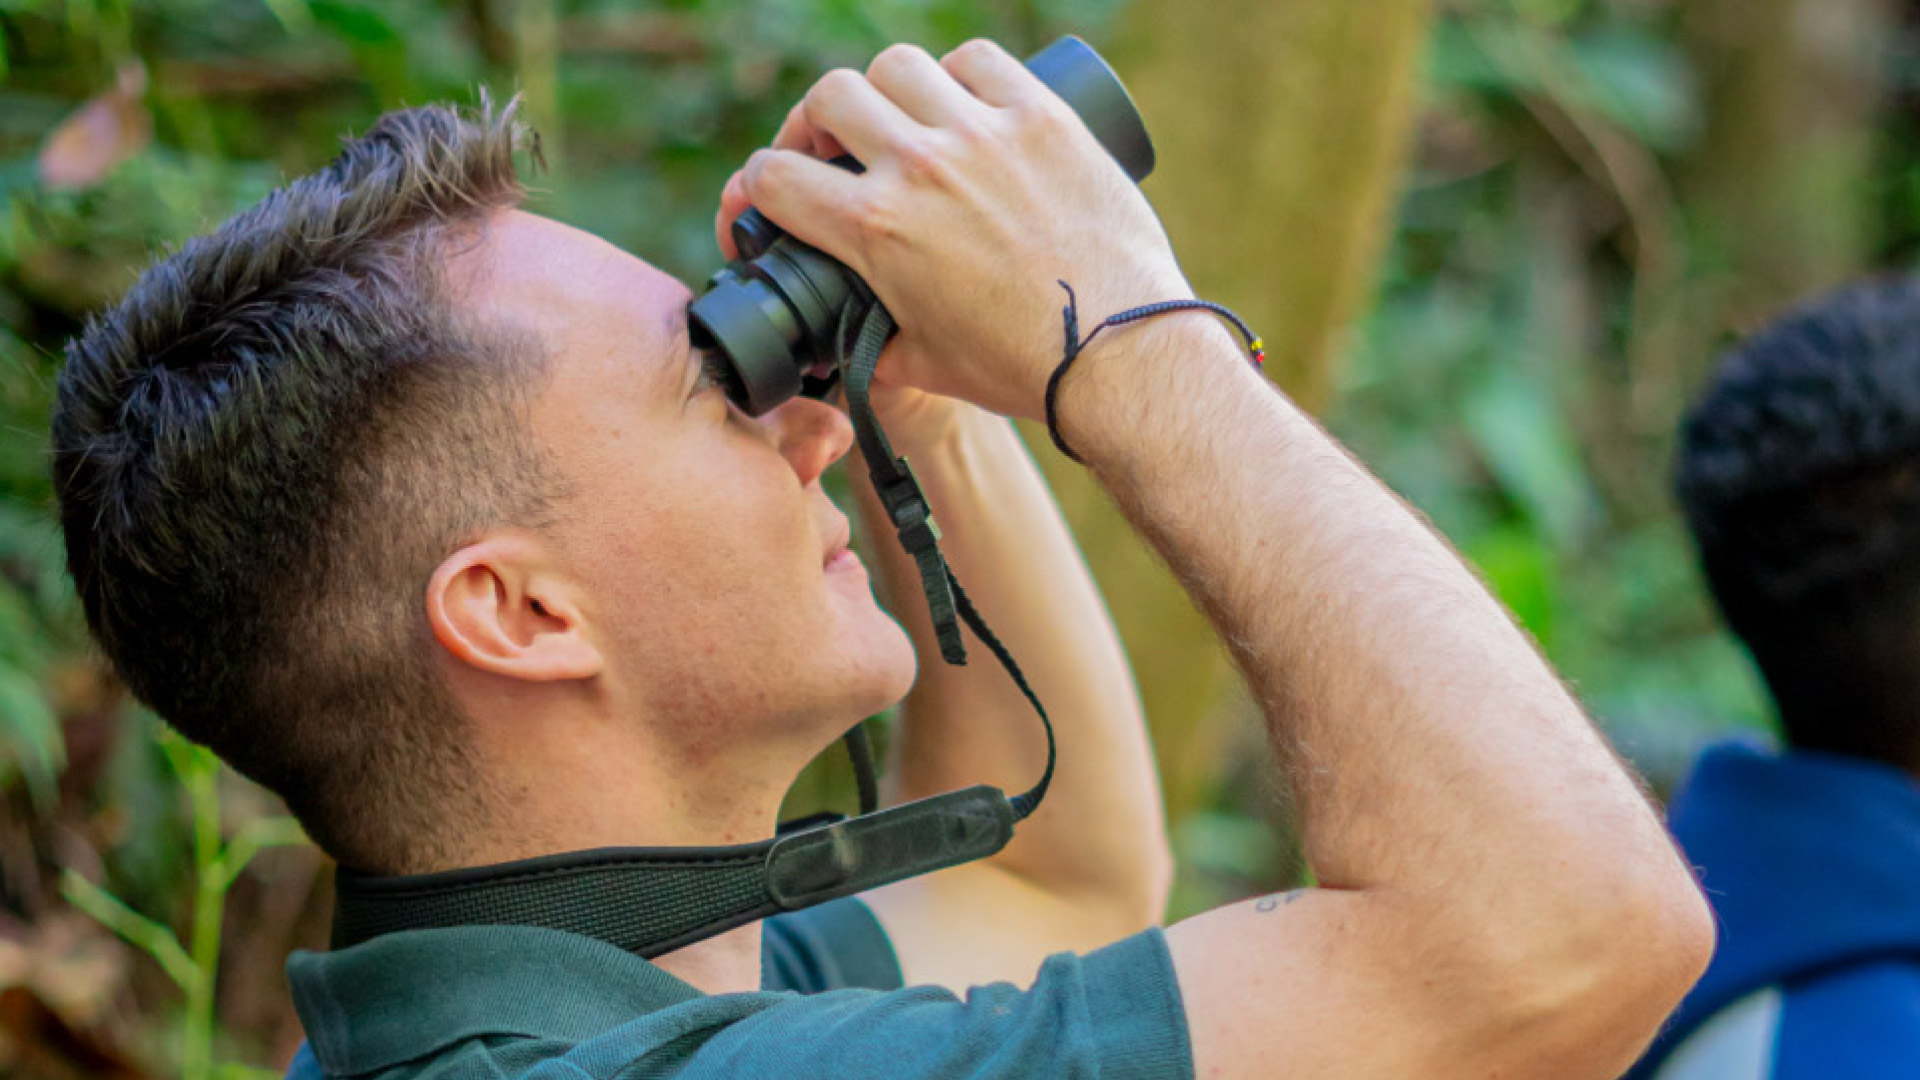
<point>1554,285</point>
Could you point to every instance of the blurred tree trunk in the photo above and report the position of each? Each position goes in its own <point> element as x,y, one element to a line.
<point>1794,91</point>
<point>1281,127</point>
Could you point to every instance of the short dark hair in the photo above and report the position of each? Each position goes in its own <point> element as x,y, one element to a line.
<point>263,451</point>
<point>1799,473</point>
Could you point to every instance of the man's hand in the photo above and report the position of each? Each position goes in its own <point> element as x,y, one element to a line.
<point>982,190</point>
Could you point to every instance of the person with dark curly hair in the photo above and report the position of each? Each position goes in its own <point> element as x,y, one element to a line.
<point>1799,475</point>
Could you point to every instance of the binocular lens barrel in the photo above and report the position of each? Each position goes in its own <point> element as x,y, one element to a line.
<point>1070,68</point>
<point>771,314</point>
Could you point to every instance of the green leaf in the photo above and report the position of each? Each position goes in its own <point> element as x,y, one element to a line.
<point>1643,83</point>
<point>1519,567</point>
<point>33,743</point>
<point>1518,430</point>
<point>152,938</point>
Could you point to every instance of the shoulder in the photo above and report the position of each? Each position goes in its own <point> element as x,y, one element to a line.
<point>1113,1013</point>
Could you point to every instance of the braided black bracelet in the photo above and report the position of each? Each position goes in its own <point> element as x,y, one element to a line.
<point>1070,315</point>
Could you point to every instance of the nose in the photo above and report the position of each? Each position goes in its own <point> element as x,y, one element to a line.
<point>811,435</point>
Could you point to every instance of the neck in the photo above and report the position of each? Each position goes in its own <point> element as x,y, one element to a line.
<point>585,785</point>
<point>727,964</point>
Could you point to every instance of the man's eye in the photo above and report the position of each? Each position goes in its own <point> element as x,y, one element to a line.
<point>712,372</point>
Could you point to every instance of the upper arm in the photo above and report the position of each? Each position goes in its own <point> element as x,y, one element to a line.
<point>977,924</point>
<point>1323,983</point>
<point>1290,979</point>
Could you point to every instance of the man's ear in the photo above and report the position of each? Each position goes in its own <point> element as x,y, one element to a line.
<point>497,605</point>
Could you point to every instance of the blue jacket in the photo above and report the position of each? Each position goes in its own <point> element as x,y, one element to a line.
<point>1812,862</point>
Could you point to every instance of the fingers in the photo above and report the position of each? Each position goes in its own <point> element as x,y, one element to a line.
<point>808,198</point>
<point>733,203</point>
<point>874,117</point>
<point>993,75</point>
<point>845,106</point>
<point>796,133</point>
<point>924,90</point>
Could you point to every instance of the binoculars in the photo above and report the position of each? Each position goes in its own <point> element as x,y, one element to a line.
<point>770,317</point>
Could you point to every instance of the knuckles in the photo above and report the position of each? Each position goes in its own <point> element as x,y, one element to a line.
<point>923,159</point>
<point>1039,126</point>
<point>835,85</point>
<point>877,223</point>
<point>897,61</point>
<point>764,171</point>
<point>974,134</point>
<point>978,50</point>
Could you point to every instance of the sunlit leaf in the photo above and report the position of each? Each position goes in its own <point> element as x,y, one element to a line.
<point>1518,566</point>
<point>293,15</point>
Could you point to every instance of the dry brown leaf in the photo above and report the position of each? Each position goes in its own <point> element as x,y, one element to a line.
<point>59,980</point>
<point>100,135</point>
<point>66,960</point>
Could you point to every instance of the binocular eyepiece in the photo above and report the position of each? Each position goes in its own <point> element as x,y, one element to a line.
<point>770,316</point>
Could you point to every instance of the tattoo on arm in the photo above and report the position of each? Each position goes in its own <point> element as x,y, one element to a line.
<point>1278,900</point>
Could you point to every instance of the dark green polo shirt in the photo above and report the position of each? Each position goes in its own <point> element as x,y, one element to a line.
<point>499,1002</point>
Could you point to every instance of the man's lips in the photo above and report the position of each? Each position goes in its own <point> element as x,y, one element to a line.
<point>838,551</point>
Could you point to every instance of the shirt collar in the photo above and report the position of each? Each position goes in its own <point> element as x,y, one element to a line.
<point>409,994</point>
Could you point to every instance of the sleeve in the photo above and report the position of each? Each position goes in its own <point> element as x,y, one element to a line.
<point>835,946</point>
<point>1111,1015</point>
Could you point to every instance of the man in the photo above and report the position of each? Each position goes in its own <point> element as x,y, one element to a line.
<point>1798,476</point>
<point>420,509</point>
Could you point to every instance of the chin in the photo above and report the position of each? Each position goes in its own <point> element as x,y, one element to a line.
<point>885,667</point>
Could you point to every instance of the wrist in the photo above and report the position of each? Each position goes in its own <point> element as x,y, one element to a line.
<point>946,445</point>
<point>1138,379</point>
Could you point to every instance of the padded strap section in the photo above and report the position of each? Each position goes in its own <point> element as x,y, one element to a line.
<point>651,901</point>
<point>891,845</point>
<point>647,901</point>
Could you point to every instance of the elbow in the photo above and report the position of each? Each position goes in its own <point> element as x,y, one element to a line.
<point>1611,964</point>
<point>1662,937</point>
<point>1689,934</point>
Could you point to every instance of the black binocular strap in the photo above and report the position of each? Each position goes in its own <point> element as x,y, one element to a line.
<point>906,504</point>
<point>651,901</point>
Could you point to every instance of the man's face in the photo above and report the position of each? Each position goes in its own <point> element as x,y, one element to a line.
<point>717,584</point>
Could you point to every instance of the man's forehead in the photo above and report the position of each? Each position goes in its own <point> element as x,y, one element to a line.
<point>576,290</point>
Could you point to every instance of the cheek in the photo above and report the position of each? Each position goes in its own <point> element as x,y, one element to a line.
<point>687,574</point>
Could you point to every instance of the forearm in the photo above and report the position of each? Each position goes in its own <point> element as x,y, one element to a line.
<point>1100,833</point>
<point>1438,761</point>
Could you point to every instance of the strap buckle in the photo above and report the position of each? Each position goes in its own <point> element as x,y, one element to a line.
<point>909,509</point>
